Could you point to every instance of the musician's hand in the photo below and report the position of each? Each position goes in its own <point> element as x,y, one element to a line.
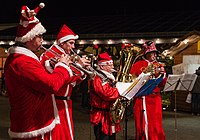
<point>87,67</point>
<point>65,58</point>
<point>162,70</point>
<point>159,71</point>
<point>84,62</point>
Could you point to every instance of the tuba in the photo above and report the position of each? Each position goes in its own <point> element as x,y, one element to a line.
<point>129,55</point>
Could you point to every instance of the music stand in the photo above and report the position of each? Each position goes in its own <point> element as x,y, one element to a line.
<point>187,84</point>
<point>148,87</point>
<point>183,82</point>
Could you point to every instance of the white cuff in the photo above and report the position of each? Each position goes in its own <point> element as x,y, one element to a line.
<point>48,66</point>
<point>66,67</point>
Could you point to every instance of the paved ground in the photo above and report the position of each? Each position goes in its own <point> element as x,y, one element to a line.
<point>177,125</point>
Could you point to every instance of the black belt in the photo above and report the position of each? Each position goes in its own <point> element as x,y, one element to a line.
<point>63,98</point>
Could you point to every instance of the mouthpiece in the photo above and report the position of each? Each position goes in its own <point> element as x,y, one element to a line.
<point>113,70</point>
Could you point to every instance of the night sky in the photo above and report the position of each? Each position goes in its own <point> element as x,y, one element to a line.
<point>10,9</point>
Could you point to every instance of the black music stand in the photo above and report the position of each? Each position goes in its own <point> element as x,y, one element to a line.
<point>184,82</point>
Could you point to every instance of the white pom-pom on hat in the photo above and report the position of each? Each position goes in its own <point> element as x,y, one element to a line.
<point>42,5</point>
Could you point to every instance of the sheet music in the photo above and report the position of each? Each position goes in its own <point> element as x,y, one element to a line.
<point>172,81</point>
<point>122,86</point>
<point>130,91</point>
<point>148,87</point>
<point>187,82</point>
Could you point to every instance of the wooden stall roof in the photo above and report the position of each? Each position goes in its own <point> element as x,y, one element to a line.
<point>183,43</point>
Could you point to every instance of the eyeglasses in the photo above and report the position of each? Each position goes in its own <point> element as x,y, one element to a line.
<point>109,65</point>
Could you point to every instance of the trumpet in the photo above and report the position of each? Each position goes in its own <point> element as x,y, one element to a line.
<point>155,69</point>
<point>57,55</point>
<point>95,72</point>
<point>73,58</point>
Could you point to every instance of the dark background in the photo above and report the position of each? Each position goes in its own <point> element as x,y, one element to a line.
<point>59,9</point>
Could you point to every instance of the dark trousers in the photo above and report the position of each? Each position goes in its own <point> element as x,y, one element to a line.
<point>196,103</point>
<point>102,136</point>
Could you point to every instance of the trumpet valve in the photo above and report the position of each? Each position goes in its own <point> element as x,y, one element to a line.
<point>74,58</point>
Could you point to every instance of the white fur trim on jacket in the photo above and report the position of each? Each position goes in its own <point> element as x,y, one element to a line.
<point>66,67</point>
<point>22,50</point>
<point>34,133</point>
<point>56,116</point>
<point>48,66</point>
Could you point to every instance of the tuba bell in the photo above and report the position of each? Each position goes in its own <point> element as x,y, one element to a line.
<point>129,55</point>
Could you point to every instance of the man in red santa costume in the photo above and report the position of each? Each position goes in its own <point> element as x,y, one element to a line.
<point>33,114</point>
<point>64,44</point>
<point>148,109</point>
<point>103,94</point>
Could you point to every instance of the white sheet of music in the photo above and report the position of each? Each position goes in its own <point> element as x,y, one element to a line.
<point>172,81</point>
<point>129,90</point>
<point>187,82</point>
<point>122,87</point>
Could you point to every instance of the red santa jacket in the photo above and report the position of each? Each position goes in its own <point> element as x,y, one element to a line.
<point>102,97</point>
<point>33,110</point>
<point>64,105</point>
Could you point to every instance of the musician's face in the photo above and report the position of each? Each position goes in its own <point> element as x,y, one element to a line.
<point>108,68</point>
<point>151,56</point>
<point>35,43</point>
<point>68,45</point>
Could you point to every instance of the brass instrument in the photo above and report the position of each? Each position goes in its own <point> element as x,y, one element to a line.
<point>118,108</point>
<point>128,57</point>
<point>74,58</point>
<point>92,70</point>
<point>154,68</point>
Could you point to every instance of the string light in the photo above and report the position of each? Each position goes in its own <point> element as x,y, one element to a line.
<point>101,41</point>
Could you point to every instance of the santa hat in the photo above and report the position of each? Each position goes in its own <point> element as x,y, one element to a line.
<point>65,34</point>
<point>104,59</point>
<point>29,25</point>
<point>149,46</point>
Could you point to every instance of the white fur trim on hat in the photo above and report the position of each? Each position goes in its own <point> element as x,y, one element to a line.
<point>105,62</point>
<point>38,29</point>
<point>65,38</point>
